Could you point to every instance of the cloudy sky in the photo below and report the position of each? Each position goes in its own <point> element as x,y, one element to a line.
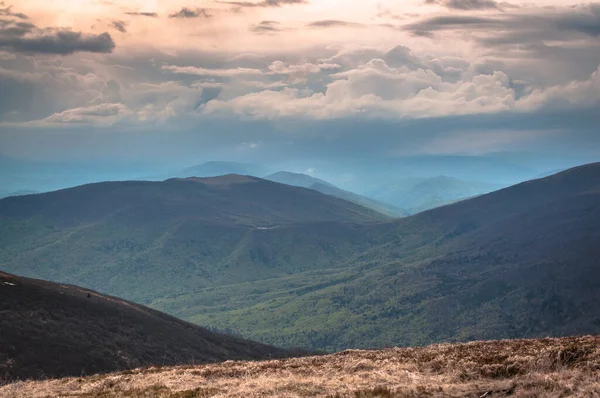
<point>184,80</point>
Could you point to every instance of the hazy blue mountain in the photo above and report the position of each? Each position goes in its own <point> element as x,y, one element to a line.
<point>306,181</point>
<point>297,179</point>
<point>418,195</point>
<point>18,193</point>
<point>220,168</point>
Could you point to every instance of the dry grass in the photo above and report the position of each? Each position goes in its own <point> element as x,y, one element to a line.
<point>519,368</point>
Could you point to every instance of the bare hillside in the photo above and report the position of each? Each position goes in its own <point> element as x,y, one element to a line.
<point>517,368</point>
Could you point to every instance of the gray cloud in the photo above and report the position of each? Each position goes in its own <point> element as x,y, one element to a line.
<point>451,22</point>
<point>527,26</point>
<point>186,12</point>
<point>119,25</point>
<point>8,12</point>
<point>267,27</point>
<point>332,23</point>
<point>264,3</point>
<point>62,42</point>
<point>143,14</point>
<point>466,4</point>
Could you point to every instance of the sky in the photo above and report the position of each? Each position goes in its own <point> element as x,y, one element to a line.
<point>183,81</point>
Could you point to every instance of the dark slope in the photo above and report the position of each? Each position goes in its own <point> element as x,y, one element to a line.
<point>306,181</point>
<point>52,330</point>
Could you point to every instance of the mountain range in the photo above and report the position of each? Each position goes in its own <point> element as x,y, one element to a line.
<point>420,194</point>
<point>306,181</point>
<point>292,267</point>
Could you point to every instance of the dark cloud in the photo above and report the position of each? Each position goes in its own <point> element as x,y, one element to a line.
<point>267,27</point>
<point>191,13</point>
<point>24,37</point>
<point>143,14</point>
<point>119,25</point>
<point>451,22</point>
<point>8,12</point>
<point>466,4</point>
<point>332,23</point>
<point>585,21</point>
<point>264,3</point>
<point>533,26</point>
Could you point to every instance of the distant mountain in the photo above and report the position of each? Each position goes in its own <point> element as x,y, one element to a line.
<point>18,193</point>
<point>297,179</point>
<point>418,195</point>
<point>549,173</point>
<point>143,240</point>
<point>306,181</point>
<point>283,265</point>
<point>221,168</point>
<point>52,330</point>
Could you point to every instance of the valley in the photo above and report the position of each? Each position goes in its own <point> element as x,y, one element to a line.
<point>330,276</point>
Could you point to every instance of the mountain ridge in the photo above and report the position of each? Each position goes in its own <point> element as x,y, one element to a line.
<point>58,330</point>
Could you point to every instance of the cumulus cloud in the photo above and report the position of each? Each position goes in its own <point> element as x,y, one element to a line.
<point>376,89</point>
<point>25,37</point>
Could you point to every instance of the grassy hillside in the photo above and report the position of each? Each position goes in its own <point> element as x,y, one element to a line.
<point>516,368</point>
<point>520,262</point>
<point>53,330</point>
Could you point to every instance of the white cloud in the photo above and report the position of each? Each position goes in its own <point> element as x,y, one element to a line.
<point>103,114</point>
<point>281,68</point>
<point>192,70</point>
<point>376,89</point>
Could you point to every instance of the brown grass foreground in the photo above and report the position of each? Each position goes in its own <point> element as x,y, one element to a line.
<point>519,368</point>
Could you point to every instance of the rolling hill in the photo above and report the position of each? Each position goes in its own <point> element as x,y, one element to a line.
<point>146,240</point>
<point>519,262</point>
<point>52,330</point>
<point>306,181</point>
